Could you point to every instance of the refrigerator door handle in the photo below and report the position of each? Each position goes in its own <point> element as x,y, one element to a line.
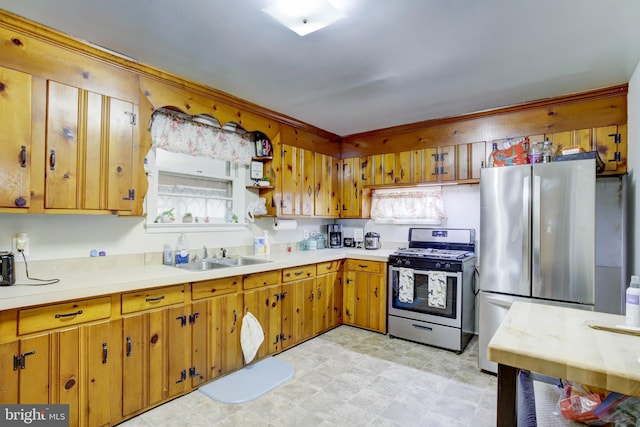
<point>535,233</point>
<point>499,302</point>
<point>526,194</point>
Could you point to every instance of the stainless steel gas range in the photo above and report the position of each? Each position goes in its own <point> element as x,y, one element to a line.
<point>431,288</point>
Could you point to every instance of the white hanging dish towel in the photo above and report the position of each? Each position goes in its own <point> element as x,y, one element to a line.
<point>251,336</point>
<point>405,285</point>
<point>437,289</point>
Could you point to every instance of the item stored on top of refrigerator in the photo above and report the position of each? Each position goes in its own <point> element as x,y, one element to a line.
<point>516,153</point>
<point>582,156</point>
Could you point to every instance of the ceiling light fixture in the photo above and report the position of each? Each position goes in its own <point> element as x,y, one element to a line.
<point>304,16</point>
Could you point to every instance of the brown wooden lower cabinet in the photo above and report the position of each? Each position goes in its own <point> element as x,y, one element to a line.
<point>365,295</point>
<point>165,344</point>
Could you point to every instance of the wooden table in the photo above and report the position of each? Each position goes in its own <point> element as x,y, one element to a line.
<point>560,342</point>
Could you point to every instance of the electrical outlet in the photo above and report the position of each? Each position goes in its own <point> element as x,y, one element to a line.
<point>21,243</point>
<point>305,234</point>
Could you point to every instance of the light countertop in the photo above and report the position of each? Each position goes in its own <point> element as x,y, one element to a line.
<point>118,275</point>
<point>559,342</point>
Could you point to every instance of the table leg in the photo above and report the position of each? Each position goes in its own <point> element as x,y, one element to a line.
<point>507,396</point>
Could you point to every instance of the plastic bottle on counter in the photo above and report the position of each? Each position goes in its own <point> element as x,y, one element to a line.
<point>633,302</point>
<point>167,255</point>
<point>182,250</point>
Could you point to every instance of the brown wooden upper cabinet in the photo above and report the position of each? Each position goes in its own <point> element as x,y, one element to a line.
<point>89,150</point>
<point>327,188</point>
<point>15,128</point>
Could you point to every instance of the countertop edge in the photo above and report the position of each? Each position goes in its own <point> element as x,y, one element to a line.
<point>106,282</point>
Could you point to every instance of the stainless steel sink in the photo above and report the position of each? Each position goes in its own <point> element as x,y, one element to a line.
<point>239,261</point>
<point>201,265</point>
<point>213,263</point>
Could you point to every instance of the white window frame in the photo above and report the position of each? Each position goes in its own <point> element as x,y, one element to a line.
<point>200,167</point>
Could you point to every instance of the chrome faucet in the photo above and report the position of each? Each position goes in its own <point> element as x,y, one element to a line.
<point>224,252</point>
<point>206,254</point>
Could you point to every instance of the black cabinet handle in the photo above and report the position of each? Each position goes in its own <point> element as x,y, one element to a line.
<point>128,346</point>
<point>68,314</point>
<point>104,353</point>
<point>23,156</point>
<point>160,298</point>
<point>52,160</point>
<point>183,320</point>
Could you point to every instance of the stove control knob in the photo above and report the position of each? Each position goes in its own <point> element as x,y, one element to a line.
<point>399,262</point>
<point>438,265</point>
<point>447,265</point>
<point>407,262</point>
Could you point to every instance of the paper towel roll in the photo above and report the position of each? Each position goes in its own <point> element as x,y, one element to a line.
<point>285,224</point>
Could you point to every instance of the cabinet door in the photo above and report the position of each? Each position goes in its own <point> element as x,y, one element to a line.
<point>26,381</point>
<point>120,159</point>
<point>308,182</point>
<point>349,298</point>
<point>335,196</point>
<point>289,183</point>
<point>265,305</point>
<point>135,366</point>
<point>302,293</point>
<point>156,343</point>
<point>224,335</point>
<point>431,164</point>
<point>66,375</point>
<point>63,144</point>
<point>477,159</point>
<point>448,163</point>
<point>403,173</point>
<point>350,188</point>
<point>362,296</point>
<point>377,310</point>
<point>611,144</point>
<point>388,168</point>
<point>15,128</point>
<point>104,370</point>
<point>178,344</point>
<point>199,324</point>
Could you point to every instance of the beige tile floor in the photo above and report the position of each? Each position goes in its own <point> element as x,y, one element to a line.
<point>352,377</point>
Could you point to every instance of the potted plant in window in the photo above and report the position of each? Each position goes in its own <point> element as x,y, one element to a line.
<point>187,217</point>
<point>166,216</point>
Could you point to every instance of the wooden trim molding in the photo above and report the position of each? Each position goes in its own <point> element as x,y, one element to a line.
<point>602,107</point>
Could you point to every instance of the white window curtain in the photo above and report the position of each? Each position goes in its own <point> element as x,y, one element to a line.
<point>408,206</point>
<point>178,134</point>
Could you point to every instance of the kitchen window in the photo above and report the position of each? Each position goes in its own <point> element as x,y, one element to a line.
<point>408,206</point>
<point>197,173</point>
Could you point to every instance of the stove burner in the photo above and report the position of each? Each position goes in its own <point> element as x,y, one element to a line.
<point>434,253</point>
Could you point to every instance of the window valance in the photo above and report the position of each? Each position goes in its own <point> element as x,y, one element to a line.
<point>423,206</point>
<point>180,134</point>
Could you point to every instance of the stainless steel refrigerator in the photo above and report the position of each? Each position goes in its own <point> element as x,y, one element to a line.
<point>537,240</point>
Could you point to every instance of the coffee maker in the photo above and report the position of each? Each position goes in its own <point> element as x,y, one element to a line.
<point>334,232</point>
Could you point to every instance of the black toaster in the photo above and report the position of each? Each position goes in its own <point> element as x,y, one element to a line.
<point>7,269</point>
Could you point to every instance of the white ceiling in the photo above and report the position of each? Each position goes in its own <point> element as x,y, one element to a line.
<point>390,62</point>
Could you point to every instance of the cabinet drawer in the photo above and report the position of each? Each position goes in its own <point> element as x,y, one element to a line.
<point>213,288</point>
<point>152,298</point>
<point>368,266</point>
<point>296,273</point>
<point>257,280</point>
<point>328,267</point>
<point>61,315</point>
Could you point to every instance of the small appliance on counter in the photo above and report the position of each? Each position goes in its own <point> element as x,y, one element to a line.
<point>7,269</point>
<point>358,237</point>
<point>334,232</point>
<point>372,240</point>
<point>349,242</point>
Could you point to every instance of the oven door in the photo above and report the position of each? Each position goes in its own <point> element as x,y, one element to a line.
<point>428,295</point>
